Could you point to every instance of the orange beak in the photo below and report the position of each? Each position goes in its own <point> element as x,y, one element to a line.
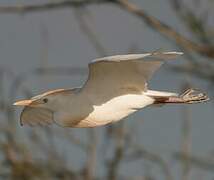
<point>23,103</point>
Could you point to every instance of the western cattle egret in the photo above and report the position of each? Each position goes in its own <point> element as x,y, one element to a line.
<point>116,87</point>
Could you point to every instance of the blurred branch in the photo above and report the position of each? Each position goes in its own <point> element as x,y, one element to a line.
<point>113,164</point>
<point>91,155</point>
<point>140,152</point>
<point>201,72</point>
<point>73,139</point>
<point>186,139</point>
<point>164,29</point>
<point>48,6</point>
<point>195,67</point>
<point>196,24</point>
<point>202,163</point>
<point>167,31</point>
<point>89,32</point>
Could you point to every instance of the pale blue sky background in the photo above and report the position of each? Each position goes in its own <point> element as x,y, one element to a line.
<point>22,43</point>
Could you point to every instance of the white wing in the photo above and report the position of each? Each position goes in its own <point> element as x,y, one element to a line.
<point>36,116</point>
<point>123,74</point>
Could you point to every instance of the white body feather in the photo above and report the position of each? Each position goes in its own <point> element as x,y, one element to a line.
<point>115,110</point>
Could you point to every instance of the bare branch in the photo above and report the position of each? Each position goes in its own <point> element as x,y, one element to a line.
<point>113,164</point>
<point>167,31</point>
<point>91,155</point>
<point>164,29</point>
<point>140,152</point>
<point>203,163</point>
<point>186,139</point>
<point>48,6</point>
<point>197,25</point>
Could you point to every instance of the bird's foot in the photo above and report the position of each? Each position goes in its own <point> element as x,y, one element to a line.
<point>191,96</point>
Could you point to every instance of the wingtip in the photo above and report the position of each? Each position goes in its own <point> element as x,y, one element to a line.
<point>174,53</point>
<point>167,55</point>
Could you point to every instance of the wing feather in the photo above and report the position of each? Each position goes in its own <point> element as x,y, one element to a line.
<point>36,116</point>
<point>123,74</point>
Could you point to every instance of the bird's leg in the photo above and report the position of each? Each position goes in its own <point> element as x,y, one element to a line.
<point>190,96</point>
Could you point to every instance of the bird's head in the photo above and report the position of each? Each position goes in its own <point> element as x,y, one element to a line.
<point>48,100</point>
<point>42,108</point>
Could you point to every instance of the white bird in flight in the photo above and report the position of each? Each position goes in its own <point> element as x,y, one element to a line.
<point>116,87</point>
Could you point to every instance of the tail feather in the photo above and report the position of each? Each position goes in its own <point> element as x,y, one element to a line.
<point>152,93</point>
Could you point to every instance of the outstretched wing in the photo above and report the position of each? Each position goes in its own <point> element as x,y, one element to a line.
<point>36,116</point>
<point>123,74</point>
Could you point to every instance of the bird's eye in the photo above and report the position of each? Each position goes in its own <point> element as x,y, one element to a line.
<point>45,100</point>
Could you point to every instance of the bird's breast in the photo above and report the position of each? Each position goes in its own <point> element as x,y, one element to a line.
<point>115,109</point>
